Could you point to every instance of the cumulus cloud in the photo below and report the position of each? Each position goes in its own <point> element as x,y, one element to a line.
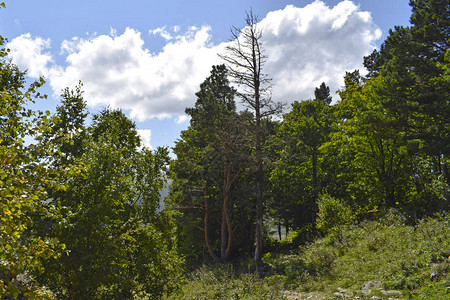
<point>314,44</point>
<point>162,32</point>
<point>117,70</point>
<point>305,46</point>
<point>29,53</point>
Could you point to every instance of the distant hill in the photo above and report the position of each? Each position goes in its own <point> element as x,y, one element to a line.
<point>163,194</point>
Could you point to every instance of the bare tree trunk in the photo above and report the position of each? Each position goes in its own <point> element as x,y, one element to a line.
<point>223,231</point>
<point>230,231</point>
<point>259,202</point>
<point>259,172</point>
<point>245,59</point>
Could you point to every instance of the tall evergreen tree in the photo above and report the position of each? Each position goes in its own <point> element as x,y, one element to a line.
<point>212,150</point>
<point>413,67</point>
<point>323,93</point>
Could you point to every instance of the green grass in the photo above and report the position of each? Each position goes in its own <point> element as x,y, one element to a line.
<point>413,260</point>
<point>221,282</point>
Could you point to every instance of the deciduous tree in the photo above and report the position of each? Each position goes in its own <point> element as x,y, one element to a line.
<point>297,177</point>
<point>24,178</point>
<point>120,244</point>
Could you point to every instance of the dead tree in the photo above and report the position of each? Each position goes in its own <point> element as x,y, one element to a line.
<point>245,59</point>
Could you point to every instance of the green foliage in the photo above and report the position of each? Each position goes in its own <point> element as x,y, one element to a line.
<point>23,182</point>
<point>388,147</point>
<point>212,155</point>
<point>79,207</point>
<point>413,60</point>
<point>395,258</point>
<point>333,214</point>
<point>323,93</point>
<point>67,127</point>
<point>413,260</point>
<point>108,216</point>
<point>297,175</point>
<point>371,158</point>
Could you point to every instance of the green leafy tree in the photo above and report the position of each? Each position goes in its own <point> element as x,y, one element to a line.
<point>23,181</point>
<point>297,177</point>
<point>120,245</point>
<point>410,84</point>
<point>372,162</point>
<point>333,214</point>
<point>67,127</point>
<point>390,147</point>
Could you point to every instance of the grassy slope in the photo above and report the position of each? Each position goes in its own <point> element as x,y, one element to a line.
<point>384,255</point>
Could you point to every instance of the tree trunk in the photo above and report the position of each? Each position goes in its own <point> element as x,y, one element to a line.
<point>259,213</point>
<point>223,230</point>
<point>286,225</point>
<point>279,229</point>
<point>259,178</point>
<point>226,231</point>
<point>246,59</point>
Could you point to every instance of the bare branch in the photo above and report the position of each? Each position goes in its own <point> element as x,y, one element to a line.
<point>245,60</point>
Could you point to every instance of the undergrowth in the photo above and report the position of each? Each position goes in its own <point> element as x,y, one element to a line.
<point>381,258</point>
<point>222,282</point>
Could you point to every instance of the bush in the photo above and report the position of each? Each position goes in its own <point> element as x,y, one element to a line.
<point>333,214</point>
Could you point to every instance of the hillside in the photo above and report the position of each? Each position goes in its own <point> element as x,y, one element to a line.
<point>382,259</point>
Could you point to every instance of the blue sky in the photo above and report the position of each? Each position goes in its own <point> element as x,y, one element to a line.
<point>149,57</point>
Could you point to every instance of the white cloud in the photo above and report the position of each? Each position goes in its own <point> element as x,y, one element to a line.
<point>181,119</point>
<point>119,71</point>
<point>30,54</point>
<point>305,47</point>
<point>315,44</point>
<point>146,135</point>
<point>162,32</point>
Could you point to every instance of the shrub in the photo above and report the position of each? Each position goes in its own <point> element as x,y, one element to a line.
<point>333,214</point>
